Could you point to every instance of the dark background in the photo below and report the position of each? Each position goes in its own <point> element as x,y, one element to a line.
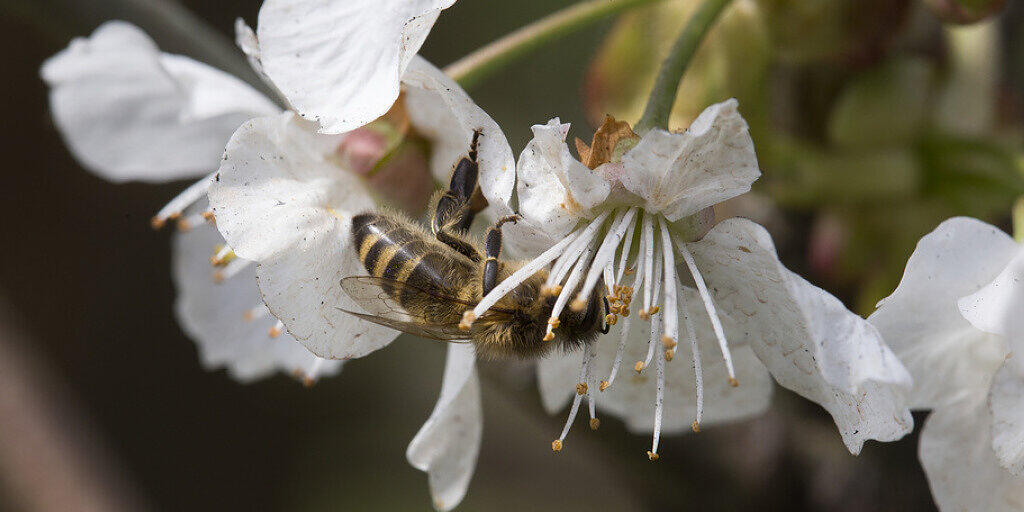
<point>87,321</point>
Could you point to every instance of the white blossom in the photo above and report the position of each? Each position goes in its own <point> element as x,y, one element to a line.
<point>637,223</point>
<point>130,112</point>
<point>281,200</point>
<point>340,63</point>
<point>956,322</point>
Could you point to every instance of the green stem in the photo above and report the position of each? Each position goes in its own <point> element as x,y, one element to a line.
<point>471,69</point>
<point>663,96</point>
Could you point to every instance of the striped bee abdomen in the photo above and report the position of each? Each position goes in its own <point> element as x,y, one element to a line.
<point>402,253</point>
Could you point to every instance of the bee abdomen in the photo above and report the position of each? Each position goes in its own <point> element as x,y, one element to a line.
<point>401,254</point>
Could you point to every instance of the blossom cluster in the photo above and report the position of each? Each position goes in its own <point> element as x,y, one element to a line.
<point>265,240</point>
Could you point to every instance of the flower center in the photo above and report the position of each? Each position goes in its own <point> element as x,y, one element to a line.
<point>603,249</point>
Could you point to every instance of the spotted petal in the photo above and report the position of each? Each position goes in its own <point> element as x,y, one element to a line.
<point>221,319</point>
<point>805,337</point>
<point>680,174</point>
<point>631,396</point>
<point>339,62</point>
<point>921,322</point>
<point>129,112</point>
<point>281,200</point>
<point>449,442</point>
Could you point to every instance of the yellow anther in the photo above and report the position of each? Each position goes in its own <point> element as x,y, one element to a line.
<point>651,455</point>
<point>668,342</point>
<point>594,423</point>
<point>156,222</point>
<point>581,388</point>
<point>639,366</point>
<point>611,299</point>
<point>611,319</point>
<point>556,445</point>
<point>578,305</point>
<point>183,225</point>
<point>467,320</point>
<point>554,323</point>
<point>218,277</point>
<point>209,217</point>
<point>624,311</point>
<point>549,336</point>
<point>669,354</point>
<point>274,332</point>
<point>616,289</point>
<point>733,382</point>
<point>654,310</point>
<point>556,289</point>
<point>695,426</point>
<point>643,315</point>
<point>604,385</point>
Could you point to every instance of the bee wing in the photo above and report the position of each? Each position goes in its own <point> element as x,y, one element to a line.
<point>429,331</point>
<point>381,308</point>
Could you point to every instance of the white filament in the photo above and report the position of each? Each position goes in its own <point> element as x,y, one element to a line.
<point>709,306</point>
<point>574,251</point>
<point>521,275</point>
<point>624,255</point>
<point>671,312</point>
<point>657,291</point>
<point>659,401</point>
<point>619,351</point>
<point>231,269</point>
<point>193,193</point>
<point>648,255</point>
<point>584,370</point>
<point>606,253</point>
<point>570,284</point>
<point>698,371</point>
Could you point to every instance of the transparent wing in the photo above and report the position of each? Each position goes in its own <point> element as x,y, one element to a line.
<point>433,332</point>
<point>381,308</point>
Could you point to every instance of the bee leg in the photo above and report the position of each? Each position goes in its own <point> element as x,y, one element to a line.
<point>493,247</point>
<point>454,208</point>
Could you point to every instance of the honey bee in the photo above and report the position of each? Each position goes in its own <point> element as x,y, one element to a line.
<point>421,283</point>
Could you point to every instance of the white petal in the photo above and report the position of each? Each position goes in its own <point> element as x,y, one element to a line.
<point>213,315</point>
<point>809,341</point>
<point>340,62</point>
<point>555,190</point>
<point>129,112</point>
<point>1006,403</point>
<point>281,201</point>
<point>679,174</point>
<point>998,308</point>
<point>447,445</point>
<point>440,110</point>
<point>631,396</point>
<point>921,322</point>
<point>963,472</point>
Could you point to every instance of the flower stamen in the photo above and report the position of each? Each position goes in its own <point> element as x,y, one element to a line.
<point>276,330</point>
<point>230,270</point>
<point>623,336</point>
<point>524,273</point>
<point>709,306</point>
<point>172,210</point>
<point>605,256</point>
<point>588,355</point>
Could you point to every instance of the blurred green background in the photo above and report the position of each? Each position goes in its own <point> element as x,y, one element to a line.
<point>872,121</point>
